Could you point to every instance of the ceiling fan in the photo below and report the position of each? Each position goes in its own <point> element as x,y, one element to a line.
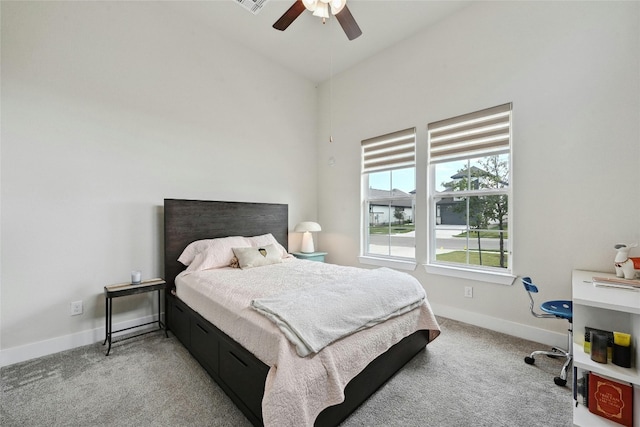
<point>321,8</point>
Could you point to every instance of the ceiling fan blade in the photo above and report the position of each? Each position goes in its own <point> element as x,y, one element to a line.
<point>348,23</point>
<point>289,16</point>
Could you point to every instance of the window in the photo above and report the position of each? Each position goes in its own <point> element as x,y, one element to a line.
<point>470,191</point>
<point>388,195</point>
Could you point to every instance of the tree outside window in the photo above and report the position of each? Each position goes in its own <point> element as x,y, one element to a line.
<point>486,216</point>
<point>469,191</point>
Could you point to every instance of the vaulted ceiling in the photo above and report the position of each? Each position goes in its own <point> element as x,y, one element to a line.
<point>309,47</point>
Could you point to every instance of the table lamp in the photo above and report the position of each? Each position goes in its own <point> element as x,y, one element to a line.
<point>306,227</point>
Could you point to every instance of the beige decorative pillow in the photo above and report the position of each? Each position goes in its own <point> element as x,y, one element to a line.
<point>268,239</point>
<point>258,256</point>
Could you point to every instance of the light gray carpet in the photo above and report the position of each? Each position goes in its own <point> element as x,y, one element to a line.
<point>469,376</point>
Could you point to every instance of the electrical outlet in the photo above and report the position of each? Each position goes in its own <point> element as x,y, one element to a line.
<point>468,291</point>
<point>76,308</point>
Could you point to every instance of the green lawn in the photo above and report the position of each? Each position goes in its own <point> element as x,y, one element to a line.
<point>490,259</point>
<point>395,229</point>
<point>484,234</point>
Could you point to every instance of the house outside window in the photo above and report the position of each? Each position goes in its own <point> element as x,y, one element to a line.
<point>470,192</point>
<point>388,196</point>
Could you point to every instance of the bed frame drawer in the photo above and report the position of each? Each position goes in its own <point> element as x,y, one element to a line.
<point>179,319</point>
<point>204,345</point>
<point>243,374</point>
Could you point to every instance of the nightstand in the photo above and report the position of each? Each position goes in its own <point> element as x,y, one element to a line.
<point>124,289</point>
<point>313,256</point>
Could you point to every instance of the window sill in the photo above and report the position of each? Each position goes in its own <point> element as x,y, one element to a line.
<point>463,273</point>
<point>388,262</point>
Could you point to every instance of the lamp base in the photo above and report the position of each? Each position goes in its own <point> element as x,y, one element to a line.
<point>307,243</point>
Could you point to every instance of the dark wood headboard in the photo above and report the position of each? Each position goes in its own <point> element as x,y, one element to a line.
<point>188,220</point>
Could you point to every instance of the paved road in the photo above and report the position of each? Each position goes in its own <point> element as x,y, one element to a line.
<point>408,240</point>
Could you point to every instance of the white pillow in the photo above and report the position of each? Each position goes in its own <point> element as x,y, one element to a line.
<point>257,256</point>
<point>211,253</point>
<point>268,239</point>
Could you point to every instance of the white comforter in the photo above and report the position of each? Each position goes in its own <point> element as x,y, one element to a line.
<point>297,389</point>
<point>314,317</point>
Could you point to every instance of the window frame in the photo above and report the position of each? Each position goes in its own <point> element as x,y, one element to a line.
<point>404,160</point>
<point>464,270</point>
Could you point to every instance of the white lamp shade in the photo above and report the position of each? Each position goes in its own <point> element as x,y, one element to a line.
<point>306,227</point>
<point>321,7</point>
<point>321,10</point>
<point>310,4</point>
<point>337,6</point>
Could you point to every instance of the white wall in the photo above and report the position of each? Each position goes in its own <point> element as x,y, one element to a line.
<point>107,109</point>
<point>572,71</point>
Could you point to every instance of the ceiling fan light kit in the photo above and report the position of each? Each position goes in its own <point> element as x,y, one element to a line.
<point>321,8</point>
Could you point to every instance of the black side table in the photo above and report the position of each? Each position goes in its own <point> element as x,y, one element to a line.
<point>124,289</point>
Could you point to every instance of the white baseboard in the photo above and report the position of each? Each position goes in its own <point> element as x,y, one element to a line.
<point>543,336</point>
<point>67,342</point>
<point>19,354</point>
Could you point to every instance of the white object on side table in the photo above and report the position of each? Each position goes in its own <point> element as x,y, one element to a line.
<point>307,227</point>
<point>136,277</point>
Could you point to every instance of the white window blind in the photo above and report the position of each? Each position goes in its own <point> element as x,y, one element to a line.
<point>483,133</point>
<point>391,151</point>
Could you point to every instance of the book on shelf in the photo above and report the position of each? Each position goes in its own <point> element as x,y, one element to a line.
<point>610,399</point>
<point>581,386</point>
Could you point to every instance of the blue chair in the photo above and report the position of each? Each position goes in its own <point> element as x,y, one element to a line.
<point>559,309</point>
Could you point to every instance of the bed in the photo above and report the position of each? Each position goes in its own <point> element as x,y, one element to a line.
<point>233,363</point>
